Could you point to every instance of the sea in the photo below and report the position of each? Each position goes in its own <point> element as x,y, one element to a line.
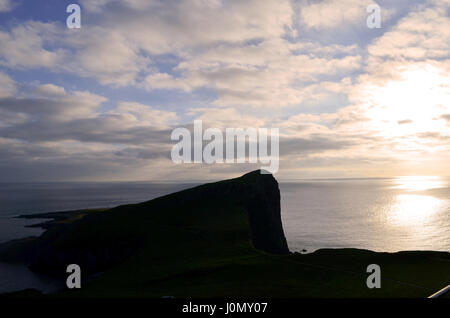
<point>386,215</point>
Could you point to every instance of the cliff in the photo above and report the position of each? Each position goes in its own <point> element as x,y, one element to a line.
<point>211,219</point>
<point>259,195</point>
<point>222,239</point>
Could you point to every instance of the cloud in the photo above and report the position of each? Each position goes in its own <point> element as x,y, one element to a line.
<point>7,86</point>
<point>49,90</point>
<point>171,26</point>
<point>342,105</point>
<point>55,134</point>
<point>226,118</point>
<point>130,34</point>
<point>396,117</point>
<point>270,73</point>
<point>314,144</point>
<point>238,49</point>
<point>52,103</point>
<point>95,5</point>
<point>49,113</point>
<point>144,115</point>
<point>329,14</point>
<point>24,46</point>
<point>445,117</point>
<point>6,5</point>
<point>422,34</point>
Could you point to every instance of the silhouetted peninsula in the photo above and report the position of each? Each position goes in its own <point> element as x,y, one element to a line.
<point>220,239</point>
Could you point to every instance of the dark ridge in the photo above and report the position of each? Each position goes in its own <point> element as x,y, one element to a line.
<point>224,214</point>
<point>222,239</point>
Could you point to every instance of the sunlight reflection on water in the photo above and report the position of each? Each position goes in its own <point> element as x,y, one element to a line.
<point>404,213</point>
<point>419,183</point>
<point>413,209</point>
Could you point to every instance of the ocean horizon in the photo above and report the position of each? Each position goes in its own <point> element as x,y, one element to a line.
<point>380,214</point>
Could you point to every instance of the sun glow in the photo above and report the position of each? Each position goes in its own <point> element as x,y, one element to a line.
<point>419,183</point>
<point>413,103</point>
<point>412,209</point>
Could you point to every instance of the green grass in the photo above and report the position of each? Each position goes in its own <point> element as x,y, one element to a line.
<point>330,273</point>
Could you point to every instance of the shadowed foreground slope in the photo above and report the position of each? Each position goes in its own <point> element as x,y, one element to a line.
<point>219,239</point>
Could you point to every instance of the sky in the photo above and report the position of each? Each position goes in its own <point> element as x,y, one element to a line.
<point>99,103</point>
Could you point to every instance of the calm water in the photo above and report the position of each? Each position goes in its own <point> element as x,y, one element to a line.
<point>408,213</point>
<point>378,214</point>
<point>31,198</point>
<point>17,199</point>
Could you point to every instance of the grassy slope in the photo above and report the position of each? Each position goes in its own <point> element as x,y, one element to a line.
<point>326,273</point>
<point>202,249</point>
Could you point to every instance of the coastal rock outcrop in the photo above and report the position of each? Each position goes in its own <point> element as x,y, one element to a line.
<point>206,220</point>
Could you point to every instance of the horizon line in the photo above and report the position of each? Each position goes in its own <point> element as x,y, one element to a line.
<point>216,180</point>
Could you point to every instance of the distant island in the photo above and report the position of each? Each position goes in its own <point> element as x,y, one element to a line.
<point>222,239</point>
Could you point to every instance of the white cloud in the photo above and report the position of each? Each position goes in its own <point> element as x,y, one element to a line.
<point>23,46</point>
<point>49,90</point>
<point>144,115</point>
<point>119,47</point>
<point>260,76</point>
<point>271,73</point>
<point>400,103</point>
<point>226,118</point>
<point>423,34</point>
<point>339,14</point>
<point>333,13</point>
<point>212,40</point>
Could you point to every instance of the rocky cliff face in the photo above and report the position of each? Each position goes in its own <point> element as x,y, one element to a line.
<point>263,206</point>
<point>259,194</point>
<point>261,197</point>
